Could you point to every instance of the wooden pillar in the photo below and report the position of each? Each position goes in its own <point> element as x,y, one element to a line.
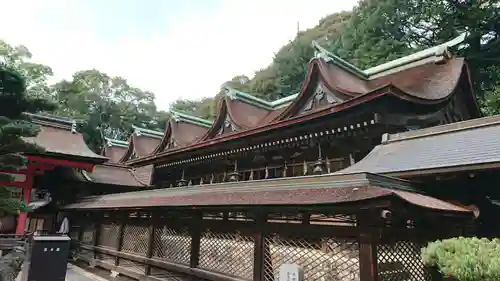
<point>122,219</point>
<point>97,231</point>
<point>262,270</point>
<point>151,238</point>
<point>27,186</point>
<point>195,230</point>
<point>368,240</point>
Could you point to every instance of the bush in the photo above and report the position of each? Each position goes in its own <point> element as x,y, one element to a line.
<point>465,259</point>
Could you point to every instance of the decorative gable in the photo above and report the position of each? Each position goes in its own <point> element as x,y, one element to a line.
<point>227,127</point>
<point>321,98</point>
<point>171,144</point>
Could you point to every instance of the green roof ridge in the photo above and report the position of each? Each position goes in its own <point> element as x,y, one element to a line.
<point>330,57</point>
<point>147,132</point>
<point>115,142</point>
<point>234,94</point>
<point>436,51</point>
<point>53,118</point>
<point>284,100</point>
<point>256,101</point>
<point>180,116</point>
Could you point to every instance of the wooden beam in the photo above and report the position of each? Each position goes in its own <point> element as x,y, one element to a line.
<point>61,162</point>
<point>150,245</point>
<point>195,230</point>
<point>27,186</point>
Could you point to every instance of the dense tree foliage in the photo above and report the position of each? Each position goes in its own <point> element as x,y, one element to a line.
<point>373,33</point>
<point>14,128</point>
<point>108,105</point>
<point>379,31</point>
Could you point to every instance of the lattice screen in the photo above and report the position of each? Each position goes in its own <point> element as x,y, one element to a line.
<point>86,254</point>
<point>172,244</point>
<point>135,239</point>
<point>132,266</point>
<point>401,261</point>
<point>228,253</point>
<point>106,258</point>
<point>73,233</point>
<point>88,234</point>
<point>108,235</point>
<point>169,275</point>
<point>324,259</point>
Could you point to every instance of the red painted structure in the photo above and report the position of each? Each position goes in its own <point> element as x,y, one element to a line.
<point>37,166</point>
<point>64,147</point>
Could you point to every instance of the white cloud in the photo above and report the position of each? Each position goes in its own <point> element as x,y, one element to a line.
<point>189,58</point>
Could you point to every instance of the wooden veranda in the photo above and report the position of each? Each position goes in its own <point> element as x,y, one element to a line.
<point>356,227</point>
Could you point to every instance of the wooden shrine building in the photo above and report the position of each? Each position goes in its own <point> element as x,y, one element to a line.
<point>307,179</point>
<point>65,171</point>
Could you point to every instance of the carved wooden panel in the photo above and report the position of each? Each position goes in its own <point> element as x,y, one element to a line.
<point>321,98</point>
<point>171,144</point>
<point>227,127</point>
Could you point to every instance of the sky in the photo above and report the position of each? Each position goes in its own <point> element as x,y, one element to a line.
<point>174,48</point>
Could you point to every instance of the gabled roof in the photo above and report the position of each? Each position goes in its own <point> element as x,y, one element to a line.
<point>60,139</point>
<point>112,174</point>
<point>331,86</point>
<point>470,145</point>
<point>183,130</point>
<point>328,190</point>
<point>115,149</point>
<point>142,143</point>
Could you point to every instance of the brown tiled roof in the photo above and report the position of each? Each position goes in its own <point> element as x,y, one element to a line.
<point>114,153</point>
<point>315,190</point>
<point>113,174</point>
<point>428,83</point>
<point>425,83</point>
<point>446,148</point>
<point>245,115</point>
<point>141,145</point>
<point>185,133</point>
<point>143,174</point>
<point>145,145</point>
<point>180,134</point>
<point>58,138</point>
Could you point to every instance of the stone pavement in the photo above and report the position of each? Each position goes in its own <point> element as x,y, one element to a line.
<point>76,273</point>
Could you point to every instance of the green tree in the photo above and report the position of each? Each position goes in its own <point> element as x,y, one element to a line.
<point>283,77</point>
<point>108,105</point>
<point>386,29</point>
<point>14,127</point>
<point>289,67</point>
<point>18,58</point>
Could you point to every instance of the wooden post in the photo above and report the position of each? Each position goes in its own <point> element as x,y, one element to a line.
<point>119,237</point>
<point>368,265</point>
<point>97,232</point>
<point>195,230</point>
<point>27,185</point>
<point>262,253</point>
<point>151,238</point>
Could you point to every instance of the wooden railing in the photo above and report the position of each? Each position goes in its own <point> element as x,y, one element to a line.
<point>157,248</point>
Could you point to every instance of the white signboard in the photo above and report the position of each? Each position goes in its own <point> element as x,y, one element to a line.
<point>290,272</point>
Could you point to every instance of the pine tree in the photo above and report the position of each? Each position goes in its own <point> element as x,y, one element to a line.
<point>15,126</point>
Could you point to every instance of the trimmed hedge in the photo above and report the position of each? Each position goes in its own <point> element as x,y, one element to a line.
<point>464,259</point>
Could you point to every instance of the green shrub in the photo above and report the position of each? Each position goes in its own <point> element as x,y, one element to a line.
<point>466,259</point>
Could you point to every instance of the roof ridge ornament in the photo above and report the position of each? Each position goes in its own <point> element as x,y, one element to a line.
<point>73,127</point>
<point>436,54</point>
<point>234,94</point>
<point>327,56</point>
<point>115,142</point>
<point>139,131</point>
<point>178,116</point>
